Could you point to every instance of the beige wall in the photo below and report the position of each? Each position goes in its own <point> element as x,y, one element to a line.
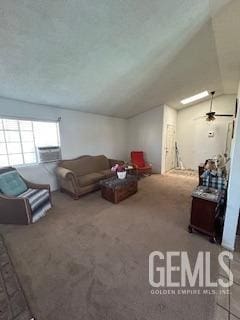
<point>145,133</point>
<point>192,131</point>
<point>80,133</point>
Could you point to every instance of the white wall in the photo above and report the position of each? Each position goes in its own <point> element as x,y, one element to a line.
<point>192,131</point>
<point>81,133</point>
<point>233,200</point>
<point>145,133</point>
<point>169,118</point>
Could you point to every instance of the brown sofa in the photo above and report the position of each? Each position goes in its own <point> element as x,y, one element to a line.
<point>82,175</point>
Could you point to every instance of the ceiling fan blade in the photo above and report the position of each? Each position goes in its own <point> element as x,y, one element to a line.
<point>210,114</point>
<point>224,115</point>
<point>200,117</point>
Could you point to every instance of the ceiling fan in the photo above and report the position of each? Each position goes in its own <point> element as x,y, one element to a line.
<point>211,115</point>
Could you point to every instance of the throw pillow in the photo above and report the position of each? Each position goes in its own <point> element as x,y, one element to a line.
<point>11,184</point>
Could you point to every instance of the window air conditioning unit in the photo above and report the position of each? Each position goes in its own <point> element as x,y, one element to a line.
<point>49,154</point>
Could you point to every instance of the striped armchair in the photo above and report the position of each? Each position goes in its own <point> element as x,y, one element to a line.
<point>28,206</point>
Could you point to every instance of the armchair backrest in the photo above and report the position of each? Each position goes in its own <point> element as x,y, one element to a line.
<point>137,158</point>
<point>6,169</point>
<point>11,183</point>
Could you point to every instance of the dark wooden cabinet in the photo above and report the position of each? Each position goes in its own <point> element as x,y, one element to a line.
<point>205,211</point>
<point>238,227</point>
<point>200,172</point>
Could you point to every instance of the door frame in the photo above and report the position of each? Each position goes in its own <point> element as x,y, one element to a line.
<point>173,146</point>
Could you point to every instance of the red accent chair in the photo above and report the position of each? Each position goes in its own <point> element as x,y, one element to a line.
<point>139,164</point>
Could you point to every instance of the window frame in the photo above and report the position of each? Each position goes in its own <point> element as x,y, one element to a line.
<point>19,130</point>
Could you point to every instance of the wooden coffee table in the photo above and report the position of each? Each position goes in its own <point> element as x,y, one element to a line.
<point>116,190</point>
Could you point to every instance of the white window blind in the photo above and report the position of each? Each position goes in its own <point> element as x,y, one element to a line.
<point>19,140</point>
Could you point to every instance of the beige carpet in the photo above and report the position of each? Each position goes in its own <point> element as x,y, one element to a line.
<point>184,172</point>
<point>88,259</point>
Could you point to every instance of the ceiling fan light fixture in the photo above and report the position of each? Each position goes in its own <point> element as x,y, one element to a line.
<point>210,118</point>
<point>196,97</point>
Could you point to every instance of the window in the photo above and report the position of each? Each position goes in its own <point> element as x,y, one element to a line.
<point>19,140</point>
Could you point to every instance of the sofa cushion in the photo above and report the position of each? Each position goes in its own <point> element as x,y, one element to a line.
<point>86,164</point>
<point>90,178</point>
<point>108,173</point>
<point>100,163</point>
<point>11,184</point>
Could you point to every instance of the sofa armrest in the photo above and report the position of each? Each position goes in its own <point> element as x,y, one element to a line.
<point>33,185</point>
<point>147,164</point>
<point>14,210</point>
<point>64,173</point>
<point>135,166</point>
<point>68,181</point>
<point>113,162</point>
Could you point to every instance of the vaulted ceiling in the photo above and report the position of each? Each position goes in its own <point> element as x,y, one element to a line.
<point>117,57</point>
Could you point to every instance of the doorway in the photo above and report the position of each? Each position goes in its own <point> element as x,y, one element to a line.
<point>170,147</point>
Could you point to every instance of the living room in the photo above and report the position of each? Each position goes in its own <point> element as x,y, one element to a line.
<point>104,84</point>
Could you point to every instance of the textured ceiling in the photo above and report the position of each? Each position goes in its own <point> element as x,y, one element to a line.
<point>117,57</point>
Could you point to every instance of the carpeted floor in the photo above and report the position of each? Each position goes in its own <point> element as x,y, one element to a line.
<point>184,172</point>
<point>88,259</point>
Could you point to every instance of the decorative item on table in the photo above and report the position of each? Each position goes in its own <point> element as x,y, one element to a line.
<point>210,171</point>
<point>221,161</point>
<point>211,166</point>
<point>211,177</point>
<point>120,170</point>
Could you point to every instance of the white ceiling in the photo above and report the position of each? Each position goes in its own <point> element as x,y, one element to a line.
<point>117,57</point>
